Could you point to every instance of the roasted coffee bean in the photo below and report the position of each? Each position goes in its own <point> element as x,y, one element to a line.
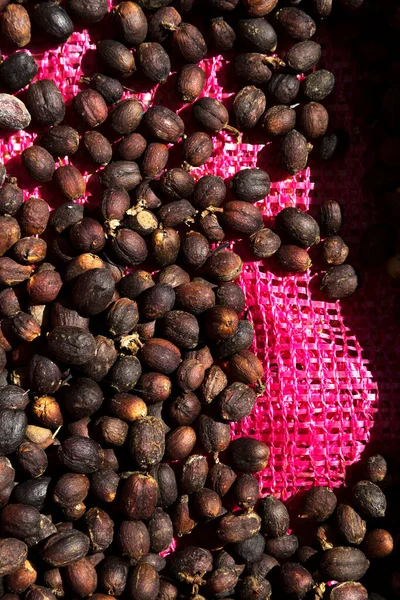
<point>72,345</point>
<point>17,70</point>
<point>61,140</point>
<point>294,151</point>
<point>330,217</point>
<point>10,233</point>
<point>116,58</point>
<point>279,120</point>
<point>98,147</point>
<point>314,120</point>
<point>339,282</point>
<point>211,114</point>
<point>88,13</point>
<point>370,499</point>
<point>248,106</point>
<point>303,56</point>
<point>253,68</point>
<point>344,564</point>
<point>131,22</point>
<point>111,89</point>
<point>249,455</point>
<point>53,21</point>
<point>16,25</point>
<point>334,250</point>
<point>351,526</point>
<point>224,265</point>
<point>91,107</point>
<point>39,163</point>
<point>377,543</point>
<point>333,144</point>
<point>238,527</point>
<point>283,88</point>
<point>223,35</point>
<point>251,185</point>
<point>257,34</point>
<point>319,504</point>
<point>197,149</point>
<point>121,173</point>
<point>11,198</point>
<point>13,113</point>
<point>62,549</point>
<point>190,43</point>
<point>153,61</point>
<point>126,116</point>
<point>163,124</point>
<point>163,23</point>
<point>191,82</point>
<point>375,469</point>
<point>213,435</point>
<point>165,246</point>
<point>298,24</point>
<point>318,85</point>
<point>297,227</point>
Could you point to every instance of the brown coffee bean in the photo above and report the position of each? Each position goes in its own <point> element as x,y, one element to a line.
<point>252,68</point>
<point>34,216</point>
<point>344,564</point>
<point>318,85</point>
<point>294,152</point>
<point>223,35</point>
<point>257,34</point>
<point>298,24</point>
<point>98,147</point>
<point>91,107</point>
<point>16,25</point>
<point>314,120</point>
<point>116,58</point>
<point>163,124</point>
<point>249,455</point>
<point>131,22</point>
<point>164,21</point>
<point>39,163</point>
<point>191,82</point>
<point>153,61</point>
<point>13,113</point>
<point>190,43</point>
<point>339,282</point>
<point>61,140</point>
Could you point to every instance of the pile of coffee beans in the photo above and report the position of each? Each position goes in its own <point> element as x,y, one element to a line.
<point>124,341</point>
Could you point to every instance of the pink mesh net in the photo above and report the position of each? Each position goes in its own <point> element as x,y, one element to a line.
<point>331,368</point>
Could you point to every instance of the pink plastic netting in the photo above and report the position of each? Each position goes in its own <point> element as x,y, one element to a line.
<point>331,368</point>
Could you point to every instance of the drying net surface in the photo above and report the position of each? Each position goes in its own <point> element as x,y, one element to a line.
<point>332,369</point>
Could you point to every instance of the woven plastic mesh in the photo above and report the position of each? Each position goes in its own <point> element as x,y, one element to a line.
<point>332,377</point>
